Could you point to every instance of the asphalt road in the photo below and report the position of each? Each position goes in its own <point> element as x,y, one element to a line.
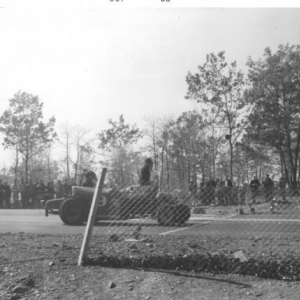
<point>34,221</point>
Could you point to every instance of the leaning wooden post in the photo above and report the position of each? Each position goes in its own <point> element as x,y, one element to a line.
<point>92,217</point>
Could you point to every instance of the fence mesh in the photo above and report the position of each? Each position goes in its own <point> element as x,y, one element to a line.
<point>226,229</point>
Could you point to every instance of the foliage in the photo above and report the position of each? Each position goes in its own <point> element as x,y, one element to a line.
<point>187,145</point>
<point>220,87</point>
<point>119,136</point>
<point>23,127</point>
<point>275,94</point>
<point>117,141</point>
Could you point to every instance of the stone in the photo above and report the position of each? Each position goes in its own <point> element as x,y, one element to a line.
<point>20,289</point>
<point>133,246</point>
<point>29,282</point>
<point>240,255</point>
<point>111,285</point>
<point>15,297</point>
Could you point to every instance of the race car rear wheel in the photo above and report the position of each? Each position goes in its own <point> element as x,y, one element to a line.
<point>182,213</point>
<point>71,211</point>
<point>166,215</point>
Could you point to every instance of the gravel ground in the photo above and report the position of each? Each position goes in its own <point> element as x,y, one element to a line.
<point>45,267</point>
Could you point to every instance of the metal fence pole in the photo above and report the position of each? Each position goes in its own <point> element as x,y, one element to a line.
<point>92,217</point>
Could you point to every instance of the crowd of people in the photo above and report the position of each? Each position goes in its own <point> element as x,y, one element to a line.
<point>28,194</point>
<point>228,193</point>
<point>222,192</point>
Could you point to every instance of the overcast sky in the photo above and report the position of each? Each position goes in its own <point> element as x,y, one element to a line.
<point>91,63</point>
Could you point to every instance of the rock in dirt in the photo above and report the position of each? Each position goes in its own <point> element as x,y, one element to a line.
<point>15,297</point>
<point>51,263</point>
<point>29,282</point>
<point>20,289</point>
<point>111,285</point>
<point>240,255</point>
<point>2,245</point>
<point>26,280</point>
<point>133,247</point>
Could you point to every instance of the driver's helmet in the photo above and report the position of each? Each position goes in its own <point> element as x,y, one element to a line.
<point>91,175</point>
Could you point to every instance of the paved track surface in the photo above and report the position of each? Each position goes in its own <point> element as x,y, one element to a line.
<point>34,221</point>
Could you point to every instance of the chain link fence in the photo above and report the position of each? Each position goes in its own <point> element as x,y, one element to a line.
<point>215,229</point>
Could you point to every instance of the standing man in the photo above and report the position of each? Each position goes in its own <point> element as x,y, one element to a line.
<point>23,193</point>
<point>90,179</point>
<point>149,178</point>
<point>254,185</point>
<point>193,190</point>
<point>146,172</point>
<point>15,192</point>
<point>1,194</point>
<point>268,186</point>
<point>7,194</point>
<point>282,185</point>
<point>228,191</point>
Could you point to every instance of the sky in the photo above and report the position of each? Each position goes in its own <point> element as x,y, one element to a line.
<point>95,61</point>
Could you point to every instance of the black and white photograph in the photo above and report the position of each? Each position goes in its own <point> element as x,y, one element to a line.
<point>149,150</point>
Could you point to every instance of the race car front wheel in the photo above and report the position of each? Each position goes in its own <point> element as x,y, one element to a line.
<point>71,211</point>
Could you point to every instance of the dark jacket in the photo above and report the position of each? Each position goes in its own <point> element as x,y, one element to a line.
<point>268,182</point>
<point>254,184</point>
<point>145,175</point>
<point>89,183</point>
<point>282,182</point>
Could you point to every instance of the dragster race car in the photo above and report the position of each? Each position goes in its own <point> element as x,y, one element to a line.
<point>120,204</point>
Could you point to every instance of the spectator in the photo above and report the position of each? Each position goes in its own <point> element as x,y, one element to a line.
<point>282,185</point>
<point>24,193</point>
<point>254,185</point>
<point>40,190</point>
<point>234,194</point>
<point>7,194</point>
<point>149,178</point>
<point>40,186</point>
<point>228,191</point>
<point>268,187</point>
<point>243,191</point>
<point>31,193</point>
<point>146,172</point>
<point>90,179</point>
<point>1,194</point>
<point>58,189</point>
<point>211,186</point>
<point>50,190</point>
<point>66,189</point>
<point>193,190</point>
<point>15,192</point>
<point>220,191</point>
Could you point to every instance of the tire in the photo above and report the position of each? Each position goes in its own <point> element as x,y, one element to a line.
<point>182,213</point>
<point>166,215</point>
<point>125,209</point>
<point>71,212</point>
